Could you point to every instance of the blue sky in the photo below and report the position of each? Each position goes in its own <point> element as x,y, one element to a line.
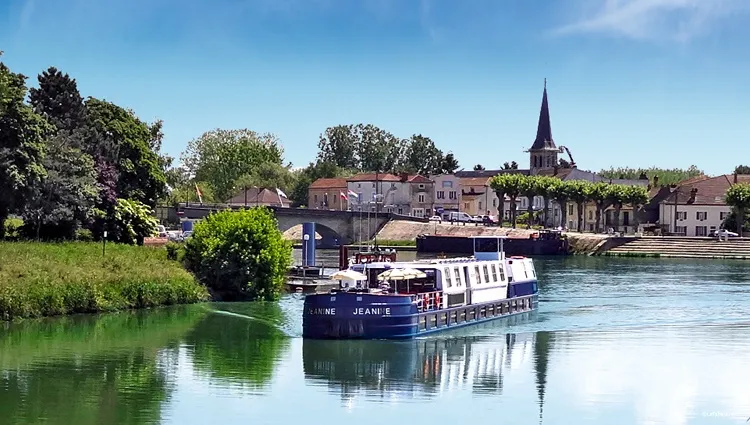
<point>631,82</point>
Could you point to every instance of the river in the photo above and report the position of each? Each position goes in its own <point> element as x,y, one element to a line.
<point>615,341</point>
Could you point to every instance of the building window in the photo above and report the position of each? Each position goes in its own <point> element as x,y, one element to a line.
<point>400,210</point>
<point>452,194</point>
<point>682,215</point>
<point>421,185</point>
<point>420,198</point>
<point>626,218</point>
<point>441,194</point>
<point>466,205</point>
<point>701,215</point>
<point>494,202</point>
<point>359,197</point>
<point>723,215</point>
<point>448,184</point>
<point>701,231</point>
<point>681,230</point>
<point>570,209</point>
<point>480,205</point>
<point>591,216</point>
<point>315,199</point>
<point>417,212</point>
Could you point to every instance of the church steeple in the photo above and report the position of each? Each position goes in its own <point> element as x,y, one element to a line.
<point>543,153</point>
<point>544,128</point>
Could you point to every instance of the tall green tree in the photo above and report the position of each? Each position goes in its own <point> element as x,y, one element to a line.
<point>58,100</point>
<point>530,187</point>
<point>560,193</point>
<point>268,175</point>
<point>738,197</point>
<point>63,201</point>
<point>140,172</point>
<point>221,157</point>
<point>449,164</point>
<point>546,187</point>
<point>616,197</point>
<point>422,156</point>
<point>636,196</point>
<point>511,185</point>
<point>22,134</point>
<point>578,192</point>
<point>339,146</point>
<point>599,194</point>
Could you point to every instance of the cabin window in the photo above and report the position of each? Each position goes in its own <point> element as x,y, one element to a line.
<point>458,276</point>
<point>479,277</point>
<point>501,268</point>
<point>494,273</point>
<point>448,277</point>
<point>486,245</point>
<point>486,274</point>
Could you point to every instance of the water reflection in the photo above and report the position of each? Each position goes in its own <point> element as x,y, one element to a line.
<point>426,367</point>
<point>239,343</point>
<point>103,369</point>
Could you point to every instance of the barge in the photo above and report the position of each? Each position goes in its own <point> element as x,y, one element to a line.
<point>544,242</point>
<point>401,300</point>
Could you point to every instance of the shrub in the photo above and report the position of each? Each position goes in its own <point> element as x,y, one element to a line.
<point>133,222</point>
<point>173,250</point>
<point>13,228</point>
<point>84,235</point>
<point>39,279</point>
<point>240,255</point>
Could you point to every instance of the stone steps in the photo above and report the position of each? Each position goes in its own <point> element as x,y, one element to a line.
<point>683,248</point>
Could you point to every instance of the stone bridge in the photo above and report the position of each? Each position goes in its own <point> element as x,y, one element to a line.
<point>334,227</point>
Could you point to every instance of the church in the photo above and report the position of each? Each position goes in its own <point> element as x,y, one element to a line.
<point>543,160</point>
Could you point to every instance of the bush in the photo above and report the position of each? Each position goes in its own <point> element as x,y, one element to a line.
<point>40,279</point>
<point>240,255</point>
<point>174,250</point>
<point>133,222</point>
<point>13,228</point>
<point>84,235</point>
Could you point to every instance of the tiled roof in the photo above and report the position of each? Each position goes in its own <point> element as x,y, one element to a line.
<point>708,190</point>
<point>419,179</point>
<point>370,177</point>
<point>336,183</point>
<point>474,181</point>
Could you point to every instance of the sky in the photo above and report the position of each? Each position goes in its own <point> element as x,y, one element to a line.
<point>635,83</point>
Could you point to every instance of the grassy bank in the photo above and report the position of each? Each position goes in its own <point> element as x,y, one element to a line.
<point>39,279</point>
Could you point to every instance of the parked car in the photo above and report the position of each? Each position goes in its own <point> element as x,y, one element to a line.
<point>436,218</point>
<point>460,216</point>
<point>162,231</point>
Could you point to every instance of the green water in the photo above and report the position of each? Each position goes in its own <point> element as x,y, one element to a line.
<point>615,341</point>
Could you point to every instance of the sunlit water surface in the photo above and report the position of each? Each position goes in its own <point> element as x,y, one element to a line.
<point>615,341</point>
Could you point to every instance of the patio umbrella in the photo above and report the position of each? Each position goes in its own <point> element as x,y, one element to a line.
<point>402,274</point>
<point>348,275</point>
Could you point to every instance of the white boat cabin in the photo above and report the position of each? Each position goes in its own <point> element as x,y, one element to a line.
<point>482,278</point>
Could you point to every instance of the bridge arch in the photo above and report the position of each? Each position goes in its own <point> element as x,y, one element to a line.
<point>325,237</point>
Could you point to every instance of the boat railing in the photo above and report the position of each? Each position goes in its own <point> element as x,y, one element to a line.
<point>426,301</point>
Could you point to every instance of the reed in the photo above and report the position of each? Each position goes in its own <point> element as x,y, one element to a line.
<point>46,279</point>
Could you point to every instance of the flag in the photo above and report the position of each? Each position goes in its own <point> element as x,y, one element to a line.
<point>342,195</point>
<point>280,193</point>
<point>198,191</point>
<point>354,194</point>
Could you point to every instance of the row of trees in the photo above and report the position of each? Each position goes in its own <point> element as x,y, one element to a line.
<point>580,192</point>
<point>67,164</point>
<point>665,176</point>
<point>222,163</point>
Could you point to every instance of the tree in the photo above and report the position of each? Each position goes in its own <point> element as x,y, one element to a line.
<point>22,134</point>
<point>510,166</point>
<point>742,169</point>
<point>666,176</point>
<point>449,164</point>
<point>268,175</point>
<point>479,167</point>
<point>221,157</point>
<point>560,193</point>
<point>636,196</point>
<point>616,197</point>
<point>546,188</point>
<point>63,202</point>
<point>578,192</point>
<point>508,184</point>
<point>599,193</point>
<point>240,255</point>
<point>339,146</point>
<point>421,156</point>
<point>139,169</point>
<point>530,187</point>
<point>58,101</point>
<point>738,197</point>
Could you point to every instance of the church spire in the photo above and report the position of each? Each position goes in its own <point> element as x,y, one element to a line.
<point>544,128</point>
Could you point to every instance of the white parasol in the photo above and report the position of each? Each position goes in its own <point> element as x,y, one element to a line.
<point>348,275</point>
<point>401,274</point>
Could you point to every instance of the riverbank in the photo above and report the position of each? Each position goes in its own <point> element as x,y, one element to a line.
<point>45,279</point>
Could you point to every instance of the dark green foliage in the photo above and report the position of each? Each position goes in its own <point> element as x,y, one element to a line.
<point>479,167</point>
<point>12,228</point>
<point>22,134</point>
<point>63,202</point>
<point>74,278</point>
<point>57,100</point>
<point>510,166</point>
<point>240,255</point>
<point>666,177</point>
<point>742,169</point>
<point>124,141</point>
<point>174,250</point>
<point>449,164</point>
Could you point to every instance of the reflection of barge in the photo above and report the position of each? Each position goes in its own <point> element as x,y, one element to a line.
<point>416,368</point>
<point>426,296</point>
<point>546,242</point>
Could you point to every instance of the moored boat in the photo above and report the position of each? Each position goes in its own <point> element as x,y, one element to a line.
<point>395,300</point>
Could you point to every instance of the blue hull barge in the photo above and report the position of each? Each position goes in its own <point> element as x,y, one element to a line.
<point>398,300</point>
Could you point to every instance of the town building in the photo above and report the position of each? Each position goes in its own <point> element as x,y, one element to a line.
<point>403,194</point>
<point>447,193</point>
<point>329,194</point>
<point>697,207</point>
<point>259,196</point>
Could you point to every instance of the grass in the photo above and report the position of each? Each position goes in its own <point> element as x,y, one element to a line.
<point>43,279</point>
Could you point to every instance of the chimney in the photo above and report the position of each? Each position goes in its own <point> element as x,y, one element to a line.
<point>735,178</point>
<point>656,181</point>
<point>404,177</point>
